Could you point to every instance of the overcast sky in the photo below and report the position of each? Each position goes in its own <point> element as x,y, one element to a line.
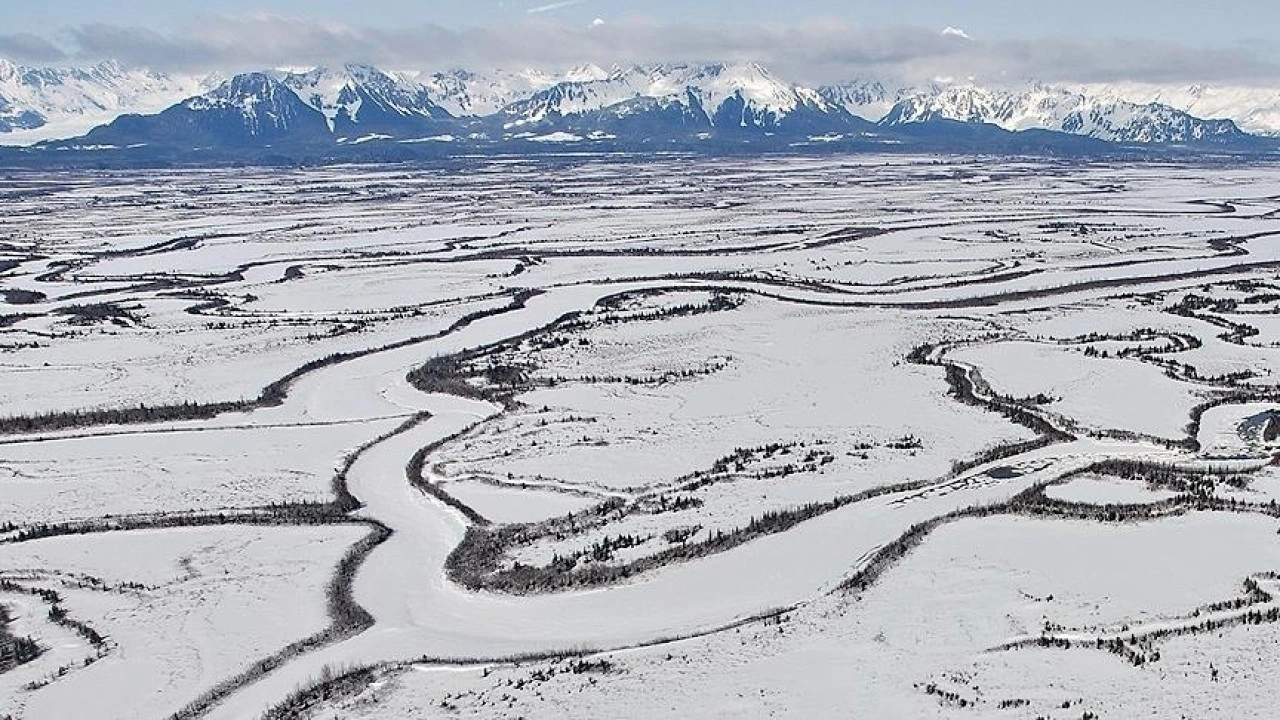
<point>808,40</point>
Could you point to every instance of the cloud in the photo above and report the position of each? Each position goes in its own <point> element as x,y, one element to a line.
<point>553,6</point>
<point>812,53</point>
<point>956,32</point>
<point>25,47</point>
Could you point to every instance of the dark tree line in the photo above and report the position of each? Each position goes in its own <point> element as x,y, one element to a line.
<point>273,514</point>
<point>272,395</point>
<point>504,368</point>
<point>57,614</point>
<point>968,387</point>
<point>14,650</point>
<point>347,619</point>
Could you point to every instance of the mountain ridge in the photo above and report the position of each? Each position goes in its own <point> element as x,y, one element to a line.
<point>653,105</point>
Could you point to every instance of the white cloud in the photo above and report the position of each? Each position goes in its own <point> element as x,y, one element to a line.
<point>553,6</point>
<point>25,47</point>
<point>955,32</point>
<point>810,53</point>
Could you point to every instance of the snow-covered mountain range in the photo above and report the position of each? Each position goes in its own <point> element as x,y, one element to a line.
<point>360,103</point>
<point>717,95</point>
<point>1100,114</point>
<point>360,98</point>
<point>38,103</point>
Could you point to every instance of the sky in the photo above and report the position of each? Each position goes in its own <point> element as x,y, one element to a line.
<point>812,40</point>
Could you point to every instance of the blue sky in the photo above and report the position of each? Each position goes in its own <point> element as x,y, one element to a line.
<point>1171,20</point>
<point>1167,41</point>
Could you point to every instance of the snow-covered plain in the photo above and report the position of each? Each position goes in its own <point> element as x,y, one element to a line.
<point>206,605</point>
<point>805,437</point>
<point>935,620</point>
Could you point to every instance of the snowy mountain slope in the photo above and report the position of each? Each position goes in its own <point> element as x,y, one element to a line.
<point>742,96</point>
<point>1255,109</point>
<point>253,109</point>
<point>41,103</point>
<point>866,99</point>
<point>467,93</point>
<point>360,98</point>
<point>464,93</point>
<point>1059,109</point>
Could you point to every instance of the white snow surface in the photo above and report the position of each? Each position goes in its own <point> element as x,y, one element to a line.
<point>726,307</point>
<point>204,611</point>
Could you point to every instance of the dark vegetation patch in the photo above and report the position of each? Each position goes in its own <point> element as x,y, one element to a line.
<point>98,313</point>
<point>58,615</point>
<point>14,650</point>
<point>14,319</point>
<point>22,297</point>
<point>329,687</point>
<point>273,514</point>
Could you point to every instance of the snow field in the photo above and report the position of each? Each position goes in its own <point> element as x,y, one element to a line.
<point>207,608</point>
<point>842,267</point>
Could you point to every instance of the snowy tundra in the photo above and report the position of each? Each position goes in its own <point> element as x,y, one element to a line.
<point>586,437</point>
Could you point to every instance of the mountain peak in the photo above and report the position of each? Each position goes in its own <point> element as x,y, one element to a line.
<point>8,71</point>
<point>246,110</point>
<point>588,73</point>
<point>243,89</point>
<point>362,99</point>
<point>356,102</point>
